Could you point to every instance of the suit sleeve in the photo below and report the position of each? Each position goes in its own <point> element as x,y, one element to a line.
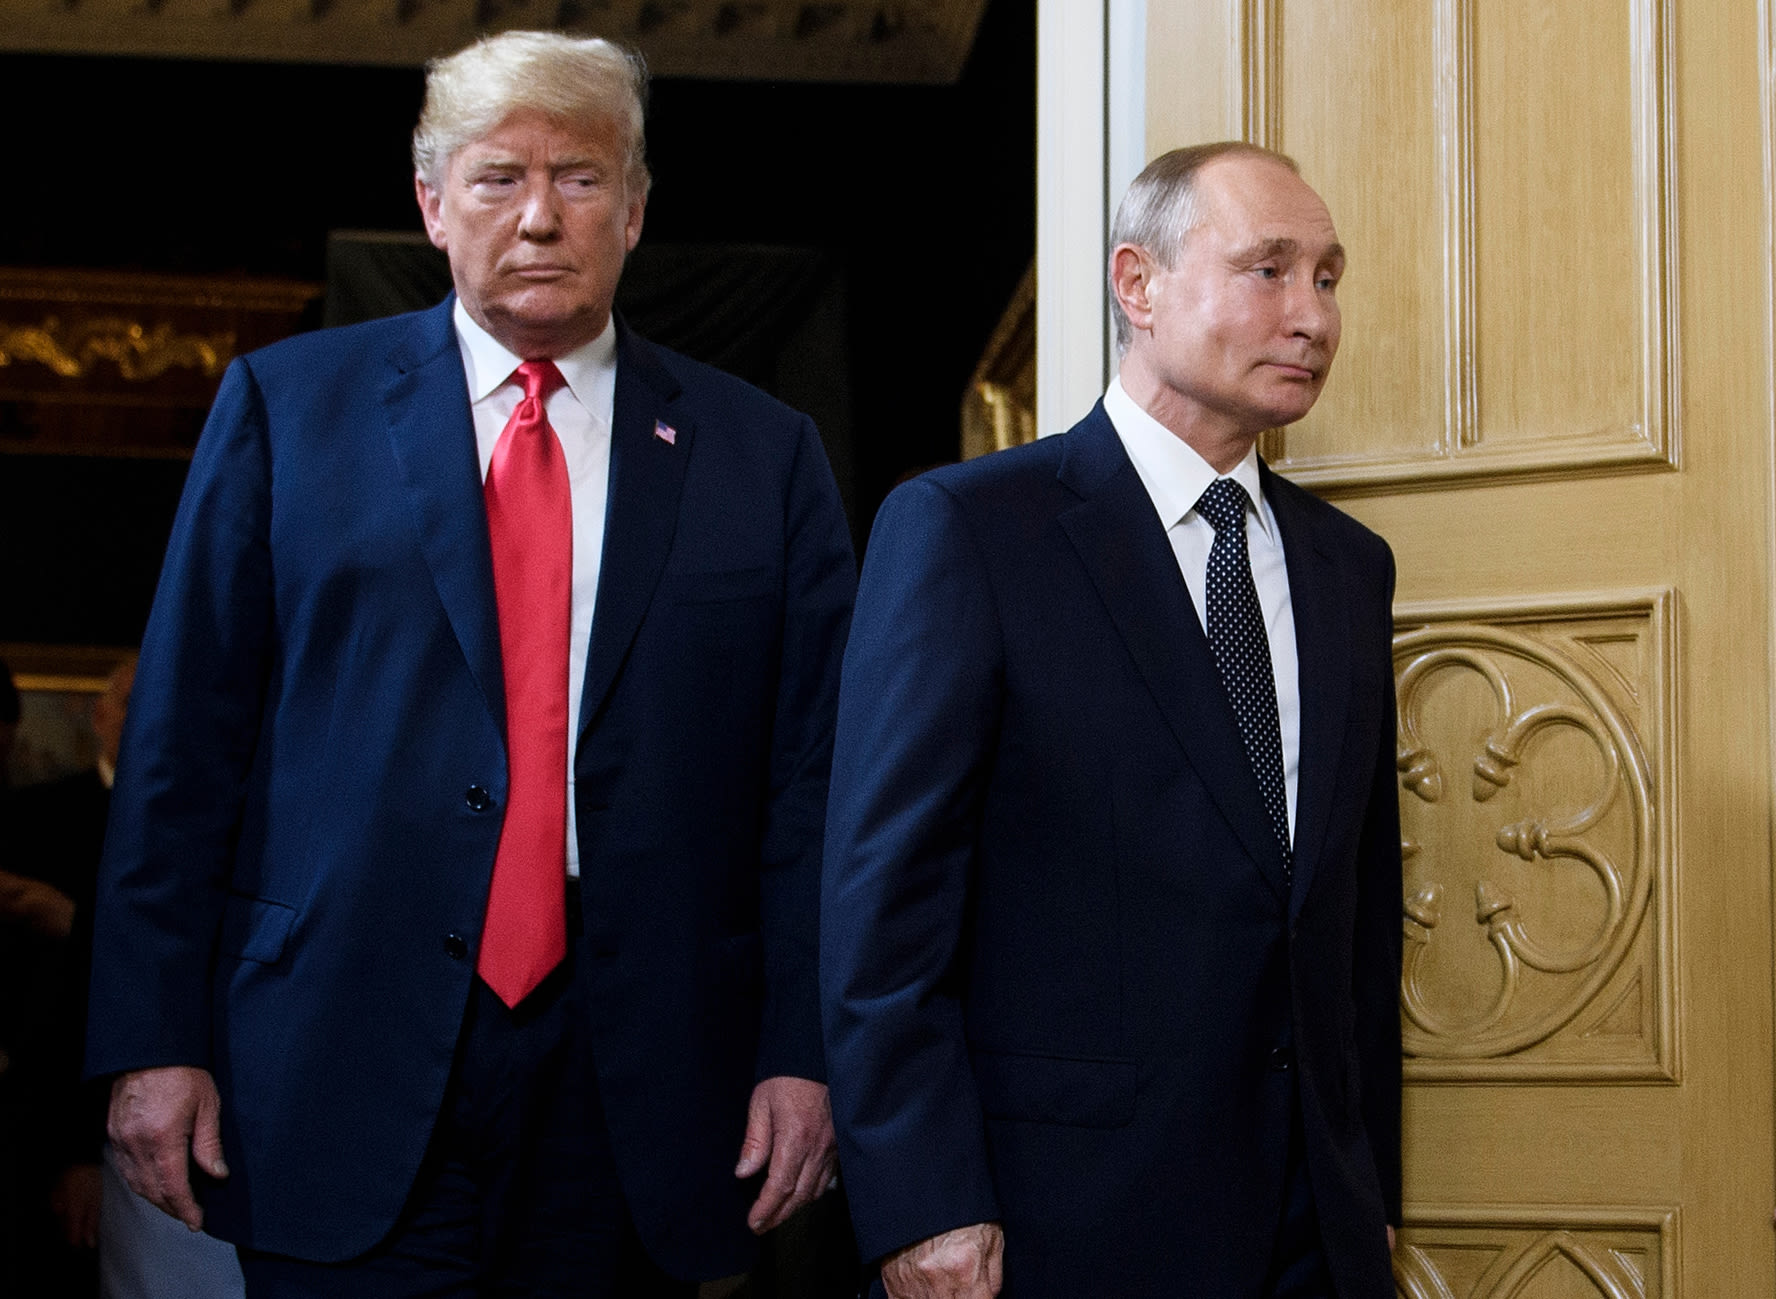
<point>821,583</point>
<point>918,717</point>
<point>188,748</point>
<point>1376,974</point>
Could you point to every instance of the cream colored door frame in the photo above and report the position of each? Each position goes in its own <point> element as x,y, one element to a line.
<point>1091,139</point>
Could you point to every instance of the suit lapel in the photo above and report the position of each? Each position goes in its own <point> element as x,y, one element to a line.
<point>1125,551</point>
<point>1322,642</point>
<point>646,479</point>
<point>433,435</point>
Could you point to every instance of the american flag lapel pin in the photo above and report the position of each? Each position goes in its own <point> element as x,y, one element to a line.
<point>665,432</point>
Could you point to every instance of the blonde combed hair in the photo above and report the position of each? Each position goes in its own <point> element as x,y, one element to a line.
<point>577,79</point>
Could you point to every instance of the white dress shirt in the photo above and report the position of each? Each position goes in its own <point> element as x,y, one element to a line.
<point>580,412</point>
<point>1175,477</point>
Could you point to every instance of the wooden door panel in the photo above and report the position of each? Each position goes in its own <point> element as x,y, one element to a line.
<point>1500,173</point>
<point>1537,1255</point>
<point>1535,808</point>
<point>1330,97</point>
<point>1554,398</point>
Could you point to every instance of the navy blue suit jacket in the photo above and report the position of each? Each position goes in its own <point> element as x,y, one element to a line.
<point>1060,963</point>
<point>314,767</point>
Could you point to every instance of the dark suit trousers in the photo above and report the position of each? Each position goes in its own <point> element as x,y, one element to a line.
<point>1297,1260</point>
<point>518,1193</point>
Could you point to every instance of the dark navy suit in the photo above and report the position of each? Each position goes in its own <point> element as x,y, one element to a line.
<point>314,770</point>
<point>1066,986</point>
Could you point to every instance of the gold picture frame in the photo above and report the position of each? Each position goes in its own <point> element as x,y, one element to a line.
<point>56,685</point>
<point>999,408</point>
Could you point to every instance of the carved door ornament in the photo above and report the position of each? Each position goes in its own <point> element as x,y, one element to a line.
<point>1511,1262</point>
<point>1528,826</point>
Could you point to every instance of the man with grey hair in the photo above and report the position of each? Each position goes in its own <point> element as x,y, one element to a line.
<point>456,927</point>
<point>1110,941</point>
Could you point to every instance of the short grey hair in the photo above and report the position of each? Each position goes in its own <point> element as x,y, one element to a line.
<point>582,80</point>
<point>1160,208</point>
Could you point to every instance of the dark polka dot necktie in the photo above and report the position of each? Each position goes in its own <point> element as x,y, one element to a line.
<point>1242,650</point>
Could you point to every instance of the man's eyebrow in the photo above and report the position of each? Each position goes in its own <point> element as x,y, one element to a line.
<point>1277,247</point>
<point>502,163</point>
<point>1283,246</point>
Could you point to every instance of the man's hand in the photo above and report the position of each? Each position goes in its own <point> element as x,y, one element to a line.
<point>1390,1240</point>
<point>788,1126</point>
<point>967,1263</point>
<point>160,1119</point>
<point>74,1199</point>
<point>43,907</point>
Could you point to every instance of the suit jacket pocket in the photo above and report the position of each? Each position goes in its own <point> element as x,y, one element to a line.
<point>1086,1092</point>
<point>254,929</point>
<point>713,586</point>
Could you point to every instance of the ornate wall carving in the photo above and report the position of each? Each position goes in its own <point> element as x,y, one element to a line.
<point>139,353</point>
<point>1535,816</point>
<point>1460,145</point>
<point>1536,1253</point>
<point>908,41</point>
<point>121,363</point>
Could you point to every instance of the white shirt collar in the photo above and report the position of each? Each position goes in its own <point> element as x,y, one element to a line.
<point>590,369</point>
<point>1174,475</point>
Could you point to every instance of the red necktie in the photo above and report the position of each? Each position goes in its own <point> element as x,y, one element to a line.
<point>530,523</point>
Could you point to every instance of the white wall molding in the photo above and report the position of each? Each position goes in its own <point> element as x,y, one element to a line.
<point>1091,139</point>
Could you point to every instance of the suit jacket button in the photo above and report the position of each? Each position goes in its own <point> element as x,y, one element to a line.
<point>455,946</point>
<point>477,797</point>
<point>1282,1058</point>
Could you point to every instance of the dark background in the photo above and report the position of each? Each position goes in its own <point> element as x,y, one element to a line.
<point>921,199</point>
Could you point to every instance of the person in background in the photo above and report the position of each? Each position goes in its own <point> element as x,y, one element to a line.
<point>58,836</point>
<point>1111,920</point>
<point>11,1174</point>
<point>457,920</point>
<point>47,875</point>
<point>49,839</point>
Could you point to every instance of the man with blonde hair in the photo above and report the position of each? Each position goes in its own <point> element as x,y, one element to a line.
<point>456,931</point>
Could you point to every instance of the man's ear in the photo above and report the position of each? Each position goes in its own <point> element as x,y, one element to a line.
<point>1131,275</point>
<point>632,220</point>
<point>431,211</point>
